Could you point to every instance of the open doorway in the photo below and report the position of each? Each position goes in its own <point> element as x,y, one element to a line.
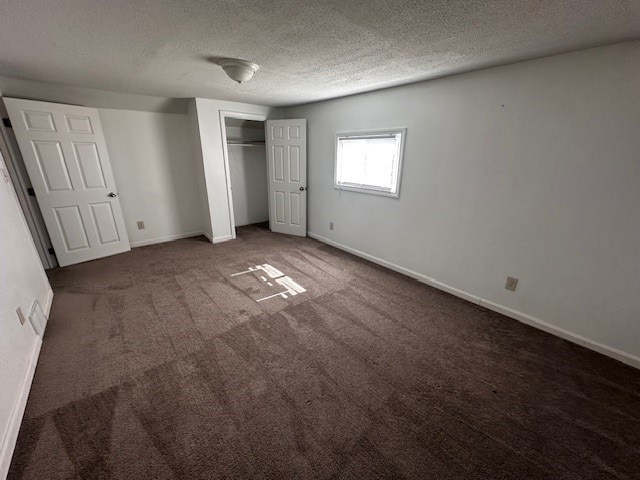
<point>279,152</point>
<point>247,166</point>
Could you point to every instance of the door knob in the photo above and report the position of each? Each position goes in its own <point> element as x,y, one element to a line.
<point>302,189</point>
<point>112,195</point>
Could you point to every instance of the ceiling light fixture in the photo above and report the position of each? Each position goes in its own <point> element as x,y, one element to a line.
<point>238,70</point>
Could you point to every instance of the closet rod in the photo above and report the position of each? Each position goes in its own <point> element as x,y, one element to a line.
<point>247,143</point>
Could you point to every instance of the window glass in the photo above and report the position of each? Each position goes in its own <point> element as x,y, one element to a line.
<point>369,162</point>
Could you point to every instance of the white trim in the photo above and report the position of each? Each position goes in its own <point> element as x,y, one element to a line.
<point>226,238</point>
<point>8,442</point>
<point>47,303</point>
<point>209,236</point>
<point>399,269</point>
<point>166,238</point>
<point>612,352</point>
<point>402,131</point>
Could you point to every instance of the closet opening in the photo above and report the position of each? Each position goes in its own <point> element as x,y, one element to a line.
<point>247,166</point>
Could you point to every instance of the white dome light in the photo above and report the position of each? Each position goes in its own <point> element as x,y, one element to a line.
<point>238,70</point>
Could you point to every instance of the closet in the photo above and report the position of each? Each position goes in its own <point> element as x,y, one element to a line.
<point>246,153</point>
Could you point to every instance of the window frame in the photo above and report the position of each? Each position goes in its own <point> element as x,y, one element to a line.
<point>371,132</point>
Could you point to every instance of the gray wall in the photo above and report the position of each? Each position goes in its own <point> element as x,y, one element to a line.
<point>153,158</point>
<point>530,170</point>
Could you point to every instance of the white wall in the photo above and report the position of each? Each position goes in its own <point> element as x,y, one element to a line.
<point>22,280</point>
<point>196,143</point>
<point>153,160</point>
<point>208,114</point>
<point>530,170</point>
<point>89,97</point>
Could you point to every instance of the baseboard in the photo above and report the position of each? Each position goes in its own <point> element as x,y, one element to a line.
<point>397,268</point>
<point>11,434</point>
<point>47,303</point>
<point>208,235</point>
<point>167,238</point>
<point>623,357</point>
<point>226,238</point>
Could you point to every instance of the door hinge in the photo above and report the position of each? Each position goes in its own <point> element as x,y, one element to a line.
<point>52,251</point>
<point>7,122</point>
<point>31,192</point>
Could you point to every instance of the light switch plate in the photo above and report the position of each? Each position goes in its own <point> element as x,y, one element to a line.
<point>21,315</point>
<point>38,319</point>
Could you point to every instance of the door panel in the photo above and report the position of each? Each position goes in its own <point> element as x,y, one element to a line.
<point>105,222</point>
<point>72,228</point>
<point>90,167</point>
<point>78,124</point>
<point>279,203</point>
<point>294,163</point>
<point>294,201</point>
<point>53,166</point>
<point>278,162</point>
<point>38,121</point>
<point>66,157</point>
<point>287,170</point>
<point>294,131</point>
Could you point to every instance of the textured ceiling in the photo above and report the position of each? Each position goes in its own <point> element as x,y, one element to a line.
<point>307,49</point>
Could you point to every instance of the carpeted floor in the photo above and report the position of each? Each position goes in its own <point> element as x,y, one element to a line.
<point>160,364</point>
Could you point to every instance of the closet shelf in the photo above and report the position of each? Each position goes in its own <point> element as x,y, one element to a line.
<point>246,143</point>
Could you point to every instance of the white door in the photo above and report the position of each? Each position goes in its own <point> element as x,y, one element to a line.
<point>66,156</point>
<point>287,171</point>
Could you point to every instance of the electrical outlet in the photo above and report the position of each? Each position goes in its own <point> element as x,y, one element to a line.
<point>21,315</point>
<point>512,284</point>
<point>330,225</point>
<point>140,225</point>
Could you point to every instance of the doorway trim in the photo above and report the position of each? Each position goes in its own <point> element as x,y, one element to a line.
<point>224,114</point>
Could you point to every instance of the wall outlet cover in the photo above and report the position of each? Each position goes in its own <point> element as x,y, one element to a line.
<point>512,284</point>
<point>140,225</point>
<point>38,319</point>
<point>330,225</point>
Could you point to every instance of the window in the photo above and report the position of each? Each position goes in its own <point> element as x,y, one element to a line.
<point>370,162</point>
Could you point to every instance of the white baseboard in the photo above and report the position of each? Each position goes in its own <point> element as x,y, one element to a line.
<point>624,357</point>
<point>8,443</point>
<point>226,238</point>
<point>397,268</point>
<point>208,235</point>
<point>167,238</point>
<point>612,352</point>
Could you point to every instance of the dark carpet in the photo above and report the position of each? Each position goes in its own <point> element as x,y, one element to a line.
<point>160,364</point>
